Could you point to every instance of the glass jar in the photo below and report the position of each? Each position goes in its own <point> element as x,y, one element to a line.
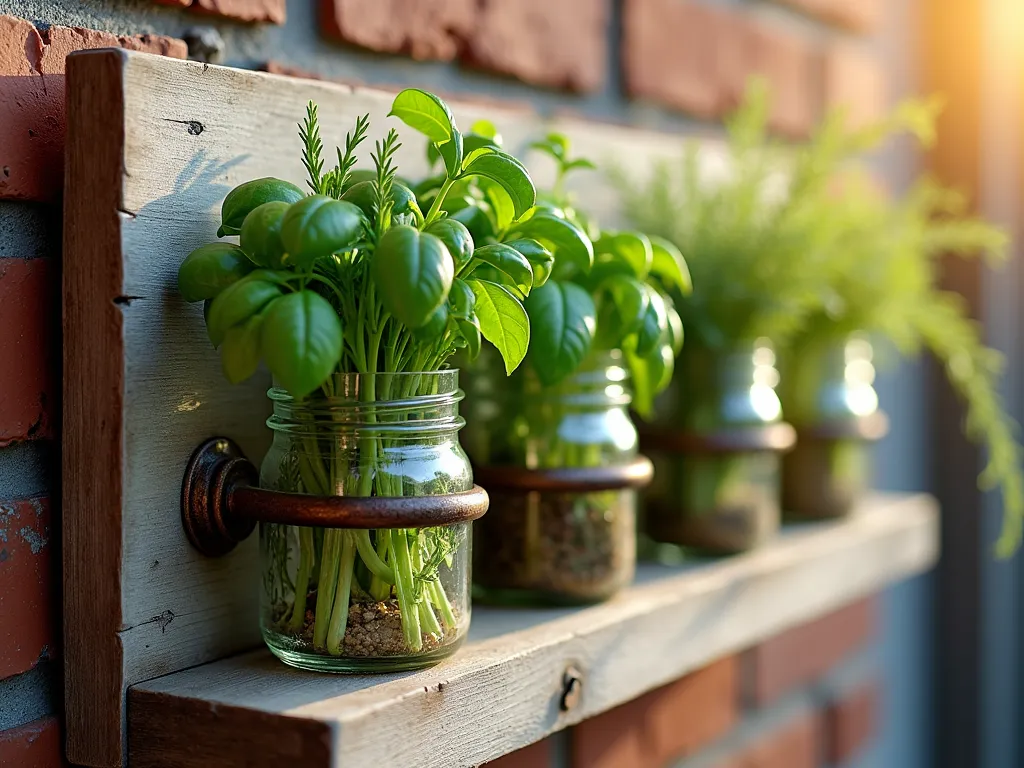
<point>828,394</point>
<point>552,547</point>
<point>346,600</point>
<point>716,453</point>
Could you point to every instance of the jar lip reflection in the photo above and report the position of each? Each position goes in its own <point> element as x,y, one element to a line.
<point>381,403</point>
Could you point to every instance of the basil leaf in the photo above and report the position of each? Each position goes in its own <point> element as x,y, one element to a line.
<point>236,304</point>
<point>540,258</point>
<point>363,195</point>
<point>668,264</point>
<point>413,272</point>
<point>648,376</point>
<point>252,194</point>
<point>461,300</point>
<point>469,327</point>
<point>675,329</point>
<point>624,304</point>
<point>211,268</point>
<point>476,220</point>
<point>456,239</point>
<point>509,261</point>
<point>485,129</point>
<point>631,248</point>
<point>510,173</point>
<point>424,112</point>
<point>318,226</point>
<point>240,352</point>
<point>451,152</point>
<point>301,341</point>
<point>503,321</point>
<point>565,240</point>
<point>653,326</point>
<point>501,204</point>
<point>434,328</point>
<point>261,234</point>
<point>562,319</point>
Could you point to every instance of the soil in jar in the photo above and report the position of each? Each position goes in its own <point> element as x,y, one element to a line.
<point>561,548</point>
<point>374,630</point>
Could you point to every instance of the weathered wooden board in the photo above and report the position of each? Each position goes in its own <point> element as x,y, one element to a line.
<point>154,145</point>
<point>503,690</point>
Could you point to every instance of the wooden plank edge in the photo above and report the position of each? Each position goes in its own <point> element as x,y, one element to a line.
<point>92,406</point>
<point>172,732</point>
<point>528,671</point>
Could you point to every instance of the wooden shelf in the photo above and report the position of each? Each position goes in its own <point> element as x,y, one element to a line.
<point>503,690</point>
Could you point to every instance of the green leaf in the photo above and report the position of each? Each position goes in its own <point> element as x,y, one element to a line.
<point>487,130</point>
<point>510,173</point>
<point>451,152</point>
<point>631,248</point>
<point>240,352</point>
<point>424,112</point>
<point>624,304</point>
<point>501,204</point>
<point>318,226</point>
<point>461,299</point>
<point>540,258</point>
<point>363,195</point>
<point>654,325</point>
<point>434,328</point>
<point>469,327</point>
<point>301,341</point>
<point>252,194</point>
<point>509,261</point>
<point>456,239</point>
<point>261,234</point>
<point>648,376</point>
<point>562,322</point>
<point>579,162</point>
<point>413,272</point>
<point>668,264</point>
<point>566,241</point>
<point>236,304</point>
<point>211,268</point>
<point>675,329</point>
<point>503,321</point>
<point>476,220</point>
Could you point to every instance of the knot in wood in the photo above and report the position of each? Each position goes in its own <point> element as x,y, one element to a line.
<point>572,688</point>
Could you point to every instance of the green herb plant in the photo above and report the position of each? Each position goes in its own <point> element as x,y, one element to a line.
<point>796,245</point>
<point>357,277</point>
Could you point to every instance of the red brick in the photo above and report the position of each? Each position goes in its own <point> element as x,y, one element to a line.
<point>850,722</point>
<point>803,654</point>
<point>556,44</point>
<point>853,80</point>
<point>423,29</point>
<point>34,745</point>
<point>32,100</point>
<point>559,45</point>
<point>29,316</point>
<point>241,10</point>
<point>750,49</point>
<point>700,59</point>
<point>27,632</point>
<point>858,15</point>
<point>794,745</point>
<point>667,723</point>
<point>669,53</point>
<point>537,755</point>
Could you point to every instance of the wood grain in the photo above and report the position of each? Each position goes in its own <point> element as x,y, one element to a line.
<point>502,691</point>
<point>154,145</point>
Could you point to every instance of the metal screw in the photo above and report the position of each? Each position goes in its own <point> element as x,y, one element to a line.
<point>572,688</point>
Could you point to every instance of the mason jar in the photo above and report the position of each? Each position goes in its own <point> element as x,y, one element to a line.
<point>828,394</point>
<point>367,600</point>
<point>562,468</point>
<point>716,451</point>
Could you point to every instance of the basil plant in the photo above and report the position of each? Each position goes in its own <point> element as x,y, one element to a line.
<point>592,289</point>
<point>355,276</point>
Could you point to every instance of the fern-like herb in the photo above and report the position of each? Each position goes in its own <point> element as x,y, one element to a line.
<point>312,149</point>
<point>383,161</point>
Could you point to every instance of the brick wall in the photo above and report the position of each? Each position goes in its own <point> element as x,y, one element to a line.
<point>808,698</point>
<point>669,64</point>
